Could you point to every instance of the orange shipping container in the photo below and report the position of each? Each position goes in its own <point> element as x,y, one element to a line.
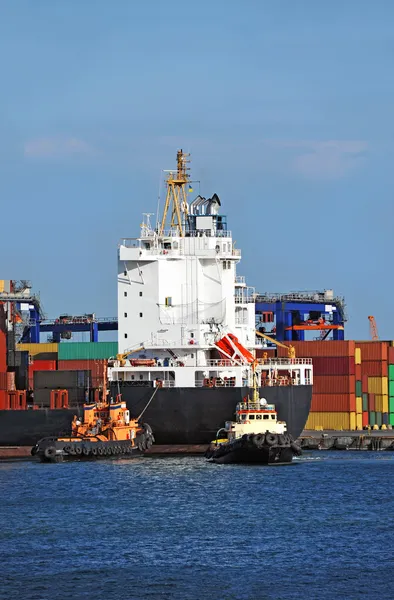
<point>358,373</point>
<point>373,350</point>
<point>391,355</point>
<point>333,403</point>
<point>329,349</point>
<point>365,420</point>
<point>334,384</point>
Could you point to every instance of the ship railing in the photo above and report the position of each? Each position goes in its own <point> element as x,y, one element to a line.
<point>216,362</point>
<point>284,361</point>
<point>219,383</point>
<point>167,383</point>
<point>239,321</point>
<point>244,299</point>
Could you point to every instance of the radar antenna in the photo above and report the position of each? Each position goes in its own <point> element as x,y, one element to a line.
<point>176,195</point>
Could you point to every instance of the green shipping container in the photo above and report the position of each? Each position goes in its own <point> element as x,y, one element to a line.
<point>391,387</point>
<point>372,418</point>
<point>87,350</point>
<point>391,372</point>
<point>365,402</point>
<point>379,420</point>
<point>391,419</point>
<point>391,404</point>
<point>359,391</point>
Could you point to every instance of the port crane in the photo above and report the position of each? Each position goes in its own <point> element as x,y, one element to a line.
<point>373,329</point>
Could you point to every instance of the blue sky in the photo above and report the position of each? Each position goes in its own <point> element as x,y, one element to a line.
<point>285,106</point>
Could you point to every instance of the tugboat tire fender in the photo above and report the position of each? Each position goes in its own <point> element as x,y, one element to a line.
<point>94,451</point>
<point>259,439</point>
<point>100,450</point>
<point>50,452</point>
<point>271,439</point>
<point>282,440</point>
<point>78,450</point>
<point>34,451</point>
<point>86,450</point>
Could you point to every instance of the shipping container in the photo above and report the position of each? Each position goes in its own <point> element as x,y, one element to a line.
<point>335,384</point>
<point>2,399</point>
<point>333,403</point>
<point>365,417</point>
<point>11,387</point>
<point>379,419</point>
<point>391,388</point>
<point>357,356</point>
<point>385,418</point>
<point>359,405</point>
<point>329,420</point>
<point>373,350</point>
<point>371,402</point>
<point>42,397</point>
<point>337,365</point>
<point>391,419</point>
<point>378,385</point>
<point>391,355</point>
<point>97,369</point>
<point>359,421</point>
<point>3,352</point>
<point>359,388</point>
<point>391,372</point>
<point>326,349</point>
<point>34,349</point>
<point>378,403</point>
<point>365,402</point>
<point>374,368</point>
<point>87,350</point>
<point>391,404</point>
<point>3,380</point>
<point>53,380</point>
<point>358,372</point>
<point>364,384</point>
<point>353,421</point>
<point>372,418</point>
<point>43,365</point>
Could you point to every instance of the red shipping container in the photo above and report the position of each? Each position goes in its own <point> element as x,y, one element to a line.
<point>391,355</point>
<point>373,350</point>
<point>364,384</point>
<point>3,381</point>
<point>42,365</point>
<point>365,420</point>
<point>334,365</point>
<point>371,402</point>
<point>2,399</point>
<point>358,372</point>
<point>328,349</point>
<point>3,352</point>
<point>334,384</point>
<point>374,368</point>
<point>96,368</point>
<point>333,403</point>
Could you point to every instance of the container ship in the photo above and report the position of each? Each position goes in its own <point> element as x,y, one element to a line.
<point>190,338</point>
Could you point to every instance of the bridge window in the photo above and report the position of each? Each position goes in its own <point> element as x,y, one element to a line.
<point>259,416</point>
<point>251,417</point>
<point>266,416</point>
<point>125,335</point>
<point>125,273</point>
<point>125,294</point>
<point>140,293</point>
<point>243,417</point>
<point>125,314</point>
<point>141,315</point>
<point>224,264</point>
<point>272,416</point>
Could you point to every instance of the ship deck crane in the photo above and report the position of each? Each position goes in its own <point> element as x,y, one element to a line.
<point>290,348</point>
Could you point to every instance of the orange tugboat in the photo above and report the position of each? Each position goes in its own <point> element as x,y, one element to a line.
<point>106,430</point>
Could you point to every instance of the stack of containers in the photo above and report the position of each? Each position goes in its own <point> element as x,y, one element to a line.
<point>3,368</point>
<point>87,356</point>
<point>42,357</point>
<point>374,382</point>
<point>391,382</point>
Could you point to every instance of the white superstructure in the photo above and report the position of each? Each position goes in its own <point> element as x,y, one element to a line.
<point>179,293</point>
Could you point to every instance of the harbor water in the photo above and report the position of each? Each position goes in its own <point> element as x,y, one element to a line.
<point>184,529</point>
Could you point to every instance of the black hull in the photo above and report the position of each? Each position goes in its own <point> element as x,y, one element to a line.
<point>257,456</point>
<point>51,450</point>
<point>176,415</point>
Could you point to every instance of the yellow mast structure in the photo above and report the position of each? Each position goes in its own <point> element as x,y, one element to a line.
<point>176,195</point>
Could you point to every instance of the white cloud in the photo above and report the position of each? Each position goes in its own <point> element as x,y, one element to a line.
<point>319,159</point>
<point>54,147</point>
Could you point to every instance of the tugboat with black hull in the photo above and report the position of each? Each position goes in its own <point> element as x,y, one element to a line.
<point>106,431</point>
<point>255,437</point>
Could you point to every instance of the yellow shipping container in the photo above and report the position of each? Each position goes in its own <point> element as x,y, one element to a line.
<point>378,385</point>
<point>357,356</point>
<point>1,285</point>
<point>385,403</point>
<point>359,405</point>
<point>34,349</point>
<point>353,421</point>
<point>359,421</point>
<point>328,420</point>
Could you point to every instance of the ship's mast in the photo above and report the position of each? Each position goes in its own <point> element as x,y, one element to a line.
<point>176,196</point>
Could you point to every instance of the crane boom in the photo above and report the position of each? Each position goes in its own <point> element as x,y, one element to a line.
<point>290,348</point>
<point>373,328</point>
